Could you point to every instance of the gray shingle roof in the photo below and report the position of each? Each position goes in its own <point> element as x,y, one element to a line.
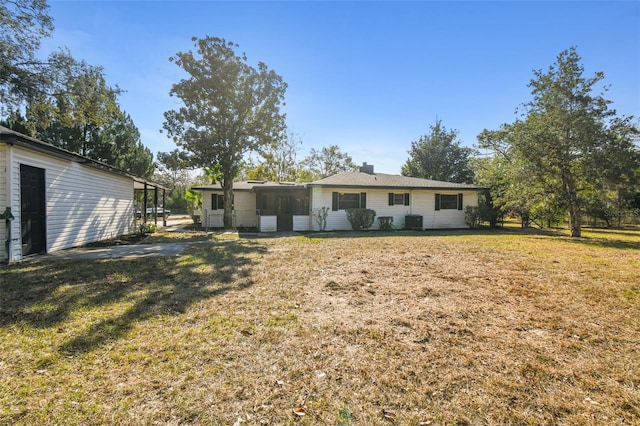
<point>350,180</point>
<point>382,180</point>
<point>251,185</point>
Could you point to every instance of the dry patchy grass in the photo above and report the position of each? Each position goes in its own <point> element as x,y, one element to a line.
<point>447,328</point>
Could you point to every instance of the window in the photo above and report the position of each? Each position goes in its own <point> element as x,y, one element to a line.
<point>448,201</point>
<point>398,199</point>
<point>217,202</point>
<point>301,205</point>
<point>262,201</point>
<point>348,200</point>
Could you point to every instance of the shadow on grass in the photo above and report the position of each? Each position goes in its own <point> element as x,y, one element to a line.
<point>411,233</point>
<point>115,294</point>
<point>605,243</point>
<point>609,238</point>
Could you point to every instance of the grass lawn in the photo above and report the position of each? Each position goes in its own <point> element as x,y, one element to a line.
<point>446,328</point>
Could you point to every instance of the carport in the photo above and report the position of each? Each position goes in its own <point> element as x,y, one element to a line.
<point>146,188</point>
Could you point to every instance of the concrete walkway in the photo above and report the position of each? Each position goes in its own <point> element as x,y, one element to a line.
<point>115,252</point>
<point>122,251</point>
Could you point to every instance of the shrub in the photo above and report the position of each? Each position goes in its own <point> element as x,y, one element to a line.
<point>147,228</point>
<point>361,218</point>
<point>472,216</point>
<point>385,223</point>
<point>321,217</point>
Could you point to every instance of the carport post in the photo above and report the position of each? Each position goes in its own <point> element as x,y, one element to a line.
<point>143,213</point>
<point>164,209</point>
<point>155,205</point>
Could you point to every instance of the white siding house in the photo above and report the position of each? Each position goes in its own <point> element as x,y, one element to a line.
<point>58,199</point>
<point>427,204</point>
<point>244,209</point>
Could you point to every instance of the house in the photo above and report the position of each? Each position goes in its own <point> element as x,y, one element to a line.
<point>52,199</point>
<point>282,206</point>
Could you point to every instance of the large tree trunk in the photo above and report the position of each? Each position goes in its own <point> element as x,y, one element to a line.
<point>575,221</point>
<point>227,188</point>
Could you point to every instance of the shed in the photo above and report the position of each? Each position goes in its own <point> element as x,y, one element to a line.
<point>52,199</point>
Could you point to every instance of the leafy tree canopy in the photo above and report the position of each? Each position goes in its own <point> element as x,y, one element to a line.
<point>278,162</point>
<point>568,143</point>
<point>328,161</point>
<point>439,156</point>
<point>61,100</point>
<point>24,24</point>
<point>229,108</point>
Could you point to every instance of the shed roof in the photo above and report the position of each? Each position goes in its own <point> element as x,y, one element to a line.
<point>11,137</point>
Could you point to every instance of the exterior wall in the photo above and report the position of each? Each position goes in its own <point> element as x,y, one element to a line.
<point>301,222</point>
<point>244,204</point>
<point>268,224</point>
<point>4,158</point>
<point>83,204</point>
<point>434,219</point>
<point>422,202</point>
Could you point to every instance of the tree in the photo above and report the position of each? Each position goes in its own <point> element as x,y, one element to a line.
<point>489,172</point>
<point>82,115</point>
<point>278,162</point>
<point>172,172</point>
<point>229,108</point>
<point>120,146</point>
<point>73,117</point>
<point>24,24</point>
<point>565,136</point>
<point>439,156</point>
<point>328,161</point>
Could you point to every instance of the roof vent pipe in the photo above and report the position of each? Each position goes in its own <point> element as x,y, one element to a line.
<point>366,168</point>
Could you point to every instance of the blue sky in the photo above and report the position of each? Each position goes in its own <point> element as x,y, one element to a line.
<point>370,77</point>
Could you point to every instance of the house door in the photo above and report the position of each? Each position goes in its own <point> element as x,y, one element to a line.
<point>32,210</point>
<point>284,213</point>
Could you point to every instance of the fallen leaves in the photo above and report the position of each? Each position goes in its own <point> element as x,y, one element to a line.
<point>390,415</point>
<point>299,411</point>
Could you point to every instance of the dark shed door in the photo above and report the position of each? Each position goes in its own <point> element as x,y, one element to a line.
<point>32,210</point>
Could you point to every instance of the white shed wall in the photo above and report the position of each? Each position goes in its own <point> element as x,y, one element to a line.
<point>4,202</point>
<point>84,204</point>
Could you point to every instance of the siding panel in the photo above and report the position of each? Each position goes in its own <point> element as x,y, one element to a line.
<point>244,204</point>
<point>300,223</point>
<point>84,204</point>
<point>422,202</point>
<point>4,202</point>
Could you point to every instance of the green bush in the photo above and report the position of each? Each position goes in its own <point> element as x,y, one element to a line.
<point>385,223</point>
<point>147,228</point>
<point>472,216</point>
<point>361,218</point>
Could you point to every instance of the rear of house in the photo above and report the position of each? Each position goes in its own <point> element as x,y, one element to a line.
<point>411,202</point>
<point>263,205</point>
<point>53,199</point>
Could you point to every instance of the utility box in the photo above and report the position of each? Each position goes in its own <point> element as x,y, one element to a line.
<point>413,221</point>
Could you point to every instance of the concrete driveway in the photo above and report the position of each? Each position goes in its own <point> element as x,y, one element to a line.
<point>174,223</point>
<point>115,252</point>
